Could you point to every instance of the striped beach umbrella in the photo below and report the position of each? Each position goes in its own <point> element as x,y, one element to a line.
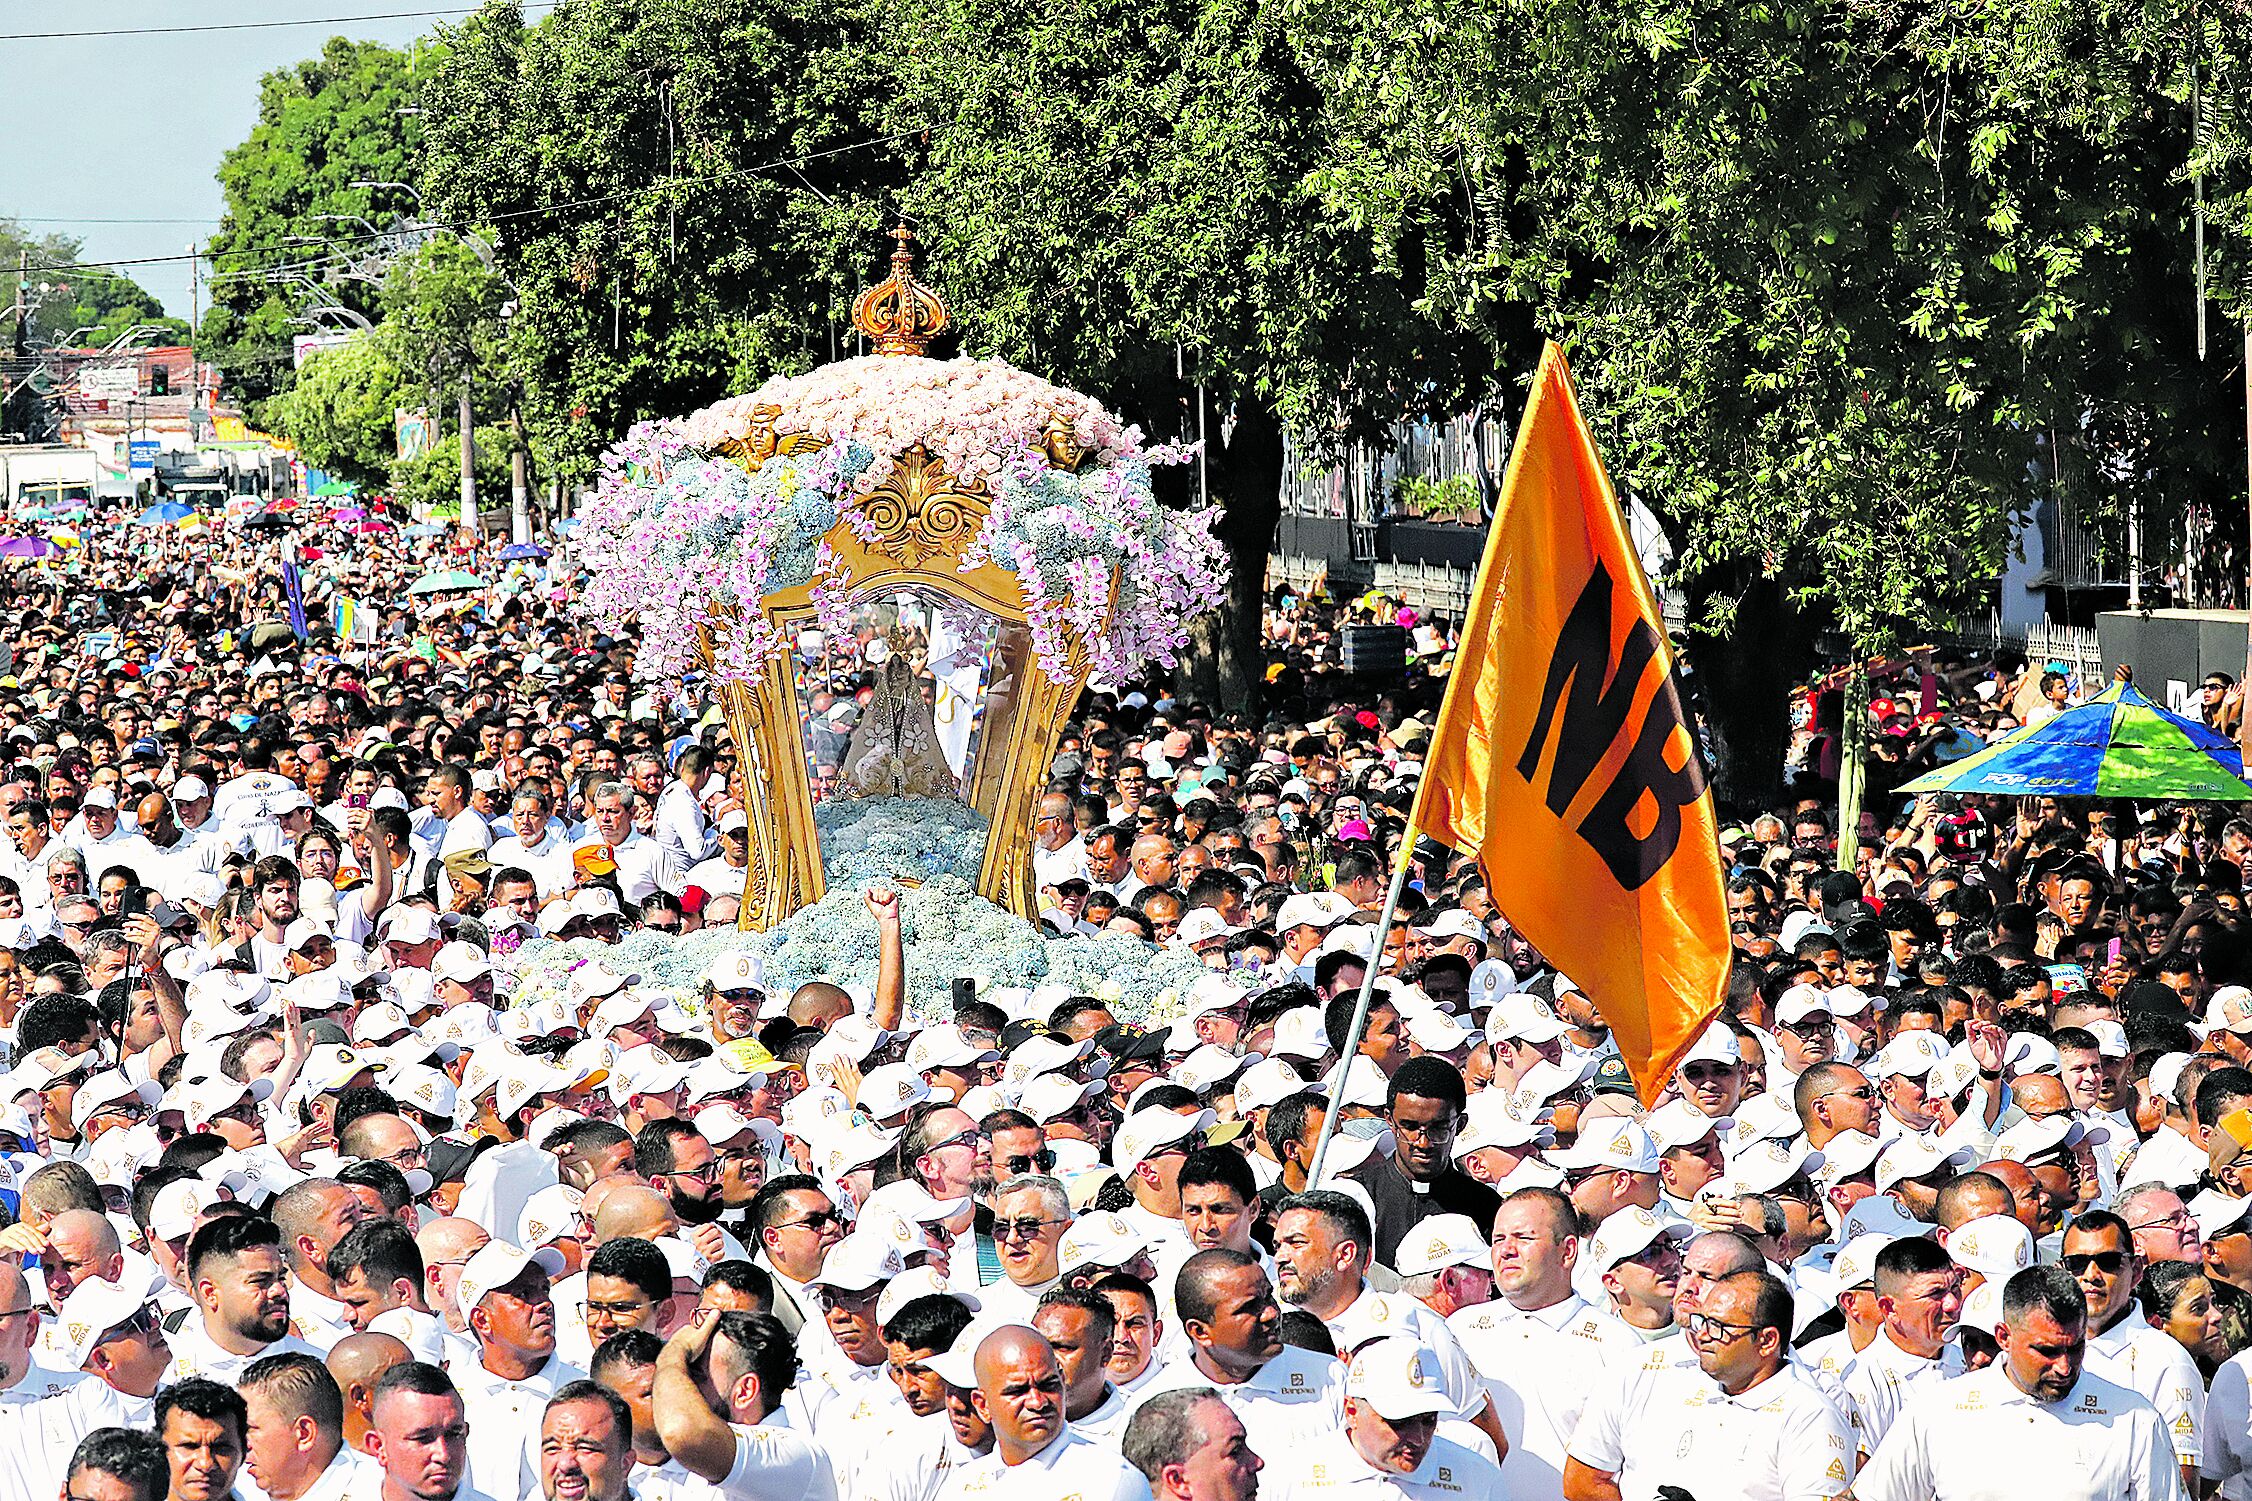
<point>2119,744</point>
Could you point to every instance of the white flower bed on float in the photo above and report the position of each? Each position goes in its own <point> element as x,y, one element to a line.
<point>949,931</point>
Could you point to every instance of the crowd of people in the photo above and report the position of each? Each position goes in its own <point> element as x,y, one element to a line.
<point>1953,1199</point>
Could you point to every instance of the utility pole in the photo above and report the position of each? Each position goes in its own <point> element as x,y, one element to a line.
<point>195,359</point>
<point>519,478</point>
<point>18,367</point>
<point>468,462</point>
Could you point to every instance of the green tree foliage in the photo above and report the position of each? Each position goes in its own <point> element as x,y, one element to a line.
<point>667,186</point>
<point>341,408</point>
<point>1848,288</point>
<point>295,228</point>
<point>84,305</point>
<point>1116,192</point>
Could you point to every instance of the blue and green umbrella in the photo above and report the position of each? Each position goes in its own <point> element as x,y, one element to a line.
<point>2119,744</point>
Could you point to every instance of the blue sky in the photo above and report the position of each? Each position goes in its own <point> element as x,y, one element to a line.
<point>132,127</point>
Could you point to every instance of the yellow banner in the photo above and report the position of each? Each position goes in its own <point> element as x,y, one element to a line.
<point>1563,758</point>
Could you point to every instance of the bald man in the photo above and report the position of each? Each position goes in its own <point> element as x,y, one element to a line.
<point>357,1363</point>
<point>80,1244</point>
<point>2024,1188</point>
<point>21,1378</point>
<point>1020,1393</point>
<point>445,1245</point>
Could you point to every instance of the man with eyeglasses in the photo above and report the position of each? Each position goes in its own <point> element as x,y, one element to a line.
<point>1030,1215</point>
<point>111,1333</point>
<point>676,1160</point>
<point>1636,1260</point>
<point>1742,1422</point>
<point>1148,1153</point>
<point>1831,1099</point>
<point>2162,1225</point>
<point>795,1225</point>
<point>2099,1252</point>
<point>847,1393</point>
<point>1425,1103</point>
<point>1805,1031</point>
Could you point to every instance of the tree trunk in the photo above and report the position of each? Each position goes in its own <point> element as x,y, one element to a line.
<point>1221,666</point>
<point>1743,682</point>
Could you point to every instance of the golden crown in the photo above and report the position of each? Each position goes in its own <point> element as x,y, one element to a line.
<point>899,314</point>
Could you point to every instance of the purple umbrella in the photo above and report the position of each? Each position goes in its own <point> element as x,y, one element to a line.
<point>26,547</point>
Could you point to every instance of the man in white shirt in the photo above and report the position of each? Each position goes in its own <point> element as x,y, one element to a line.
<point>1389,1447</point>
<point>846,1390</point>
<point>1322,1252</point>
<point>293,1441</point>
<point>1741,1423</point>
<point>2034,1424</point>
<point>751,1452</point>
<point>681,826</point>
<point>643,864</point>
<point>506,1297</point>
<point>1058,853</point>
<point>1036,1456</point>
<point>240,1282</point>
<point>1920,1293</point>
<point>1538,1346</point>
<point>723,873</point>
<point>1284,1396</point>
<point>111,1333</point>
<point>533,845</point>
<point>418,1434</point>
<point>2123,1347</point>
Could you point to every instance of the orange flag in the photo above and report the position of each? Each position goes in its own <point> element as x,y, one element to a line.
<point>1562,756</point>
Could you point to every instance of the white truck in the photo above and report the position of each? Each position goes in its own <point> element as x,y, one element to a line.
<point>47,474</point>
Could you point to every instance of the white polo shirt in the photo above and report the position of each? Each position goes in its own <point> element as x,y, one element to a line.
<point>1539,1367</point>
<point>1068,1466</point>
<point>2228,1428</point>
<point>1654,1425</point>
<point>1884,1377</point>
<point>2152,1363</point>
<point>776,1462</point>
<point>1374,1315</point>
<point>1981,1439</point>
<point>1291,1400</point>
<point>1331,1467</point>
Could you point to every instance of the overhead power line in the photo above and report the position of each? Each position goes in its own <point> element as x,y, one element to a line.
<point>661,185</point>
<point>117,31</point>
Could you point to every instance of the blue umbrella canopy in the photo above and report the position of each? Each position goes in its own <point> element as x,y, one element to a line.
<point>164,514</point>
<point>2117,745</point>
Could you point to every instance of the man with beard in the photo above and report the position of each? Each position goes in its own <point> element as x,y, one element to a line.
<point>2035,1423</point>
<point>680,1164</point>
<point>274,881</point>
<point>240,1282</point>
<point>506,1297</point>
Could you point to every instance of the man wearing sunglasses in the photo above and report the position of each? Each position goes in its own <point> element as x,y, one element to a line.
<point>110,1332</point>
<point>794,1226</point>
<point>2099,1252</point>
<point>1766,1431</point>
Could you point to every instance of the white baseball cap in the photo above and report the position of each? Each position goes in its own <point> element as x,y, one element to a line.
<point>859,1261</point>
<point>944,1046</point>
<point>1677,1123</point>
<point>1398,1377</point>
<point>1519,1017</point>
<point>1617,1143</point>
<point>496,1264</point>
<point>1103,1238</point>
<point>737,969</point>
<point>95,1306</point>
<point>1917,1157</point>
<point>895,1088</point>
<point>1996,1246</point>
<point>1438,1242</point>
<point>1147,1130</point>
<point>1630,1232</point>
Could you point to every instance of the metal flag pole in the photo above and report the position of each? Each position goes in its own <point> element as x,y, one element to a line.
<point>1360,1008</point>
